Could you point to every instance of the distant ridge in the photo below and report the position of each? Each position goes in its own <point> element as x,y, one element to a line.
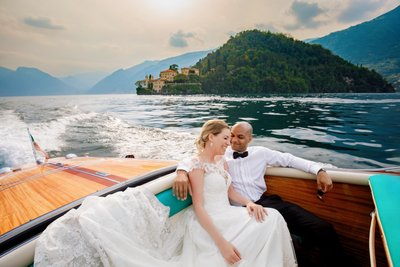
<point>31,82</point>
<point>84,81</point>
<point>25,81</point>
<point>374,44</point>
<point>123,81</point>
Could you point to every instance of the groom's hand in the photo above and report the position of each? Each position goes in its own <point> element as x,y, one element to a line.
<point>181,185</point>
<point>324,181</point>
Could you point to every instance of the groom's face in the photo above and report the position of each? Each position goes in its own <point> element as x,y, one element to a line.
<point>240,138</point>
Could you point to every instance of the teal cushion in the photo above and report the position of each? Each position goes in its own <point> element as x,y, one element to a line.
<point>386,192</point>
<point>168,199</point>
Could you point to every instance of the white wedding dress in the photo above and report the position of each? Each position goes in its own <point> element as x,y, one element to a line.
<point>132,228</point>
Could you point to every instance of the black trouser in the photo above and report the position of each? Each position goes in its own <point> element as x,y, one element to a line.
<point>315,240</point>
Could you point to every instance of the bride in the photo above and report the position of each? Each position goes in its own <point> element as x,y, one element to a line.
<point>222,233</point>
<point>132,228</point>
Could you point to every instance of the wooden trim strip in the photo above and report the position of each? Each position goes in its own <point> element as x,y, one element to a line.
<point>90,175</point>
<point>54,168</point>
<point>372,254</point>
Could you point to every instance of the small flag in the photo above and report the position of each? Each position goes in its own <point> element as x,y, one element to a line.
<point>36,148</point>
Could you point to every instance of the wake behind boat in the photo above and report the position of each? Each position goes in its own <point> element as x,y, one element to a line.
<point>34,197</point>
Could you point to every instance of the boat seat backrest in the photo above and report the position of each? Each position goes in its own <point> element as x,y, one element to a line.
<point>168,199</point>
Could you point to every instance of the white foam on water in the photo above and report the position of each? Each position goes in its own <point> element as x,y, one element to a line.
<point>332,158</point>
<point>15,146</point>
<point>395,159</point>
<point>49,134</point>
<point>248,119</point>
<point>307,134</point>
<point>145,142</point>
<point>274,114</point>
<point>362,130</point>
<point>362,144</point>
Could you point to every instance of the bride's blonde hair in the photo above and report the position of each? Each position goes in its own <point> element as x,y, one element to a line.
<point>210,127</point>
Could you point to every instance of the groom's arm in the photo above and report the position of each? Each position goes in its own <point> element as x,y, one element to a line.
<point>181,184</point>
<point>276,158</point>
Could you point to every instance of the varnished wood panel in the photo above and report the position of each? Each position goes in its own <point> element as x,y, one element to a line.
<point>30,193</point>
<point>347,207</point>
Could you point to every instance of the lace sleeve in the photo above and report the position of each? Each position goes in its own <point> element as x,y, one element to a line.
<point>195,163</point>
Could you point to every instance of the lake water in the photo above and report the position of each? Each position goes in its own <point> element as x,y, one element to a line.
<point>344,130</point>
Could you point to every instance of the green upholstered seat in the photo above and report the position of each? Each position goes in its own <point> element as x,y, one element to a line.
<point>386,192</point>
<point>168,199</point>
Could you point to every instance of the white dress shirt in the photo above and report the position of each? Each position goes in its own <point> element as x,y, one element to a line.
<point>248,173</point>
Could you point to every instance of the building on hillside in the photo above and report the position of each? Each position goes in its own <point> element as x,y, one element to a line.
<point>145,83</point>
<point>168,75</point>
<point>158,84</point>
<point>187,71</point>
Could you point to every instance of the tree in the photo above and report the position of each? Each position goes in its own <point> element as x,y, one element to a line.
<point>180,78</point>
<point>173,67</point>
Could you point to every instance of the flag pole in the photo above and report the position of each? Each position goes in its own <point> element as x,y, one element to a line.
<point>33,146</point>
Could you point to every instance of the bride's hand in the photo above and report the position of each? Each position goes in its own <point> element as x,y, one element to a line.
<point>257,211</point>
<point>229,252</point>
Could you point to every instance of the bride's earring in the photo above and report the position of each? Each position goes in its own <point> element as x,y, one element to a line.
<point>211,144</point>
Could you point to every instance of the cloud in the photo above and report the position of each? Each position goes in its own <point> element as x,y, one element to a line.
<point>43,23</point>
<point>305,15</point>
<point>359,9</point>
<point>179,39</point>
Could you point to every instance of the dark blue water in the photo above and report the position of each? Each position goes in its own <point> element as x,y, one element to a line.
<point>345,130</point>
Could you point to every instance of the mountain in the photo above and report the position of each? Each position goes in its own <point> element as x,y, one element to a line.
<point>32,82</point>
<point>263,62</point>
<point>84,81</point>
<point>123,81</point>
<point>374,44</point>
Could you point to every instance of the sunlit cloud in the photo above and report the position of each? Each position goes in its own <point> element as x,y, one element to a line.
<point>180,38</point>
<point>63,37</point>
<point>305,14</point>
<point>43,23</point>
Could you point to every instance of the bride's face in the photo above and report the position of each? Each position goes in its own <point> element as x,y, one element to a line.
<point>221,141</point>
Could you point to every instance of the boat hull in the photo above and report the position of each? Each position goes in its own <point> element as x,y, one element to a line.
<point>347,207</point>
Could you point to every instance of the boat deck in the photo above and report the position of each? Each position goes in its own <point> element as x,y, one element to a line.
<point>29,193</point>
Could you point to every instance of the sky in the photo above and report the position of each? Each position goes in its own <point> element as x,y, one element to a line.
<point>82,36</point>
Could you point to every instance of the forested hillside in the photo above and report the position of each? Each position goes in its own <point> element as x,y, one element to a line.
<point>262,62</point>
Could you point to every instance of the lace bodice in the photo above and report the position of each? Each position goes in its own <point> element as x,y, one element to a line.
<point>216,184</point>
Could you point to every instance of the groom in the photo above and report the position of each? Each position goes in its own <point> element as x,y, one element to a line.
<point>247,165</point>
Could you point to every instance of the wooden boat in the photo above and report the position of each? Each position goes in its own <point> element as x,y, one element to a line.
<point>32,198</point>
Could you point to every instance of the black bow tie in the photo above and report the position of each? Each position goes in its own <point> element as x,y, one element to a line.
<point>242,155</point>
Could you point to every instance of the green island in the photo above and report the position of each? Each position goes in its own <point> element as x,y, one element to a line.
<point>257,62</point>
